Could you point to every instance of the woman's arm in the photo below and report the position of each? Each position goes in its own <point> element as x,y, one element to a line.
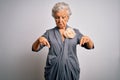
<point>36,45</point>
<point>40,43</point>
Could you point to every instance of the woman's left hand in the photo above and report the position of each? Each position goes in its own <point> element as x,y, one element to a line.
<point>88,41</point>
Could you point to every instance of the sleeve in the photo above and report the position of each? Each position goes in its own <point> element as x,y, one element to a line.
<point>46,34</point>
<point>79,35</point>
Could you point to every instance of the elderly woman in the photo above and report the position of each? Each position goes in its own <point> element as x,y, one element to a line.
<point>62,62</point>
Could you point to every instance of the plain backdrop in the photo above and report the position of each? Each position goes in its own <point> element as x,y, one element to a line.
<point>23,21</point>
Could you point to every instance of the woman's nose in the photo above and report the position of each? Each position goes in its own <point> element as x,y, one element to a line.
<point>60,19</point>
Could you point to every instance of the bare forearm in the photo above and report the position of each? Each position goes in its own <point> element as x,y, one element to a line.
<point>36,45</point>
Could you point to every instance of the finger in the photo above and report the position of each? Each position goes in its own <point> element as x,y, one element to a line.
<point>44,43</point>
<point>41,40</point>
<point>86,40</point>
<point>81,41</point>
<point>47,44</point>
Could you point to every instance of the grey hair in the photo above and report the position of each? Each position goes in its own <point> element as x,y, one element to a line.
<point>60,6</point>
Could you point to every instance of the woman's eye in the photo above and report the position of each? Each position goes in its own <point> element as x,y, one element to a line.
<point>63,17</point>
<point>57,17</point>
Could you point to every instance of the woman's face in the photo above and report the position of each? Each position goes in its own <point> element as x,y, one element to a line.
<point>61,19</point>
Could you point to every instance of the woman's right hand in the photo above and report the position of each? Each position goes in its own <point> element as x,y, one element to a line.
<point>44,41</point>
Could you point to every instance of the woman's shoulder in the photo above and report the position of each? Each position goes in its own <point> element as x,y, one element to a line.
<point>49,32</point>
<point>51,29</point>
<point>76,30</point>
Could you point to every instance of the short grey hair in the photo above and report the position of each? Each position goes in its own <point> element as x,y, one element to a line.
<point>60,6</point>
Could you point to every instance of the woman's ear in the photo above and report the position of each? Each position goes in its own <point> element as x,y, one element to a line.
<point>67,18</point>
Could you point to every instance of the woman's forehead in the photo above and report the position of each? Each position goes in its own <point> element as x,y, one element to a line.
<point>61,13</point>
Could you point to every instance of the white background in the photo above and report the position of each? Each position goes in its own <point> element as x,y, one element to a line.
<point>23,21</point>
